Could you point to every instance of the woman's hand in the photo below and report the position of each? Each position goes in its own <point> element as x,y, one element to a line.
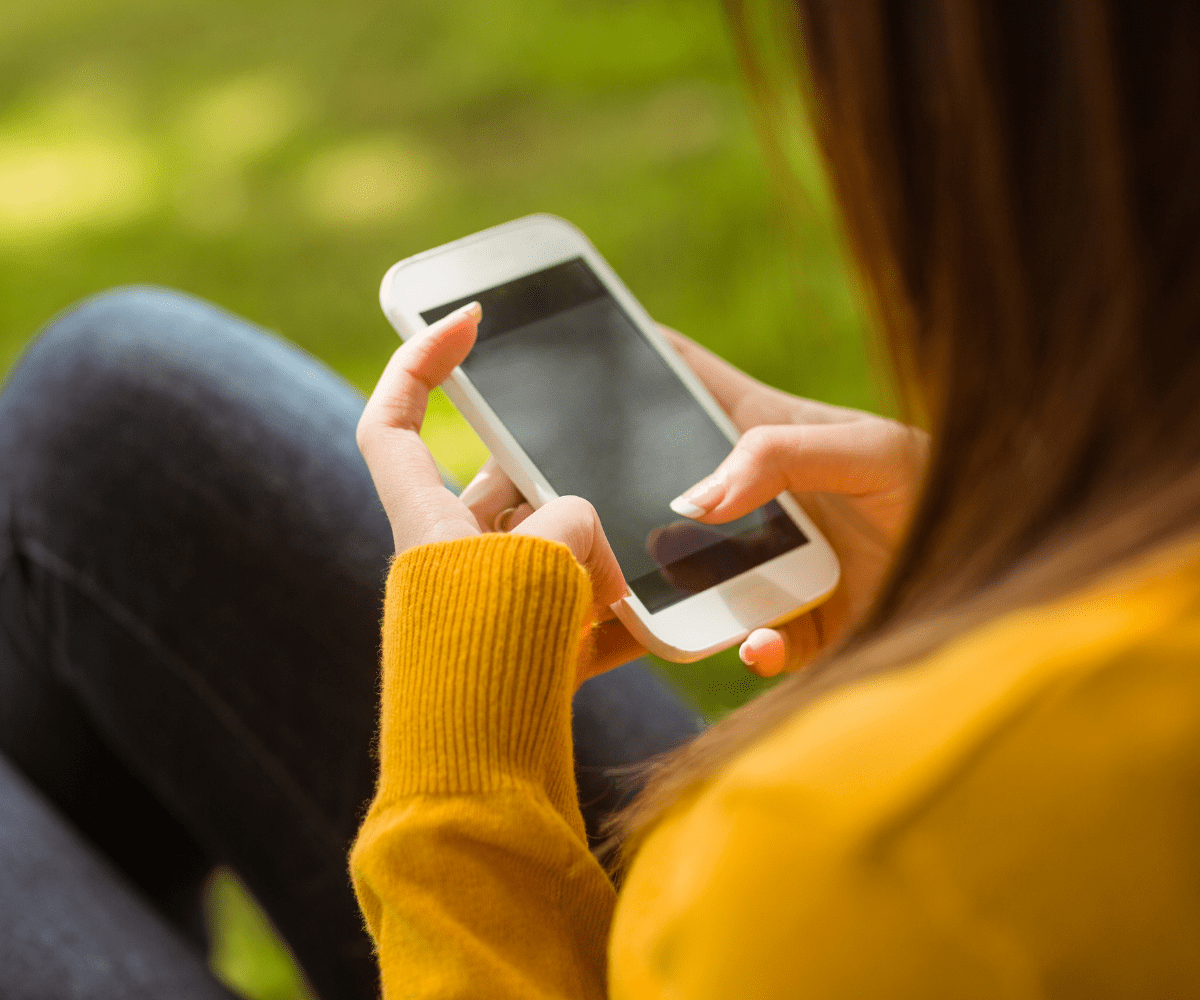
<point>857,476</point>
<point>422,510</point>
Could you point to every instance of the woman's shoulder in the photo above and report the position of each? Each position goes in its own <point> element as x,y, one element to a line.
<point>1002,811</point>
<point>1121,656</point>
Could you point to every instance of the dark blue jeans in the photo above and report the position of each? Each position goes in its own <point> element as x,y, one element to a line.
<point>192,557</point>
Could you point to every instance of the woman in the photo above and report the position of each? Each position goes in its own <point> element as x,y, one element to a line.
<point>985,785</point>
<point>982,784</point>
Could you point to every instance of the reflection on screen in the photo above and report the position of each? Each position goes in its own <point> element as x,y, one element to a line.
<point>603,417</point>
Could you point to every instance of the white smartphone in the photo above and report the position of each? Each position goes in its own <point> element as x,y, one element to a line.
<point>575,391</point>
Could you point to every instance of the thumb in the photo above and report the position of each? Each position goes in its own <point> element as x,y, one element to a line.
<point>574,522</point>
<point>418,505</point>
<point>856,458</point>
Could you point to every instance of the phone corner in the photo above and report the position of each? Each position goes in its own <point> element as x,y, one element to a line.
<point>835,574</point>
<point>385,288</point>
<point>557,221</point>
<point>654,644</point>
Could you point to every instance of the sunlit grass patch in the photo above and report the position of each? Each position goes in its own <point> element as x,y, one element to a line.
<point>69,159</point>
<point>237,121</point>
<point>223,130</point>
<point>50,186</point>
<point>370,180</point>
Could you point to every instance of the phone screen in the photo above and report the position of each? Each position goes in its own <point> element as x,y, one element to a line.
<point>600,413</point>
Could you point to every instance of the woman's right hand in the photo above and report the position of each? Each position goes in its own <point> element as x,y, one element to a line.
<point>857,475</point>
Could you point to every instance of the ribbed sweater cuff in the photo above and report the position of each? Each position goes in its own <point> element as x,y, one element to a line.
<point>480,639</point>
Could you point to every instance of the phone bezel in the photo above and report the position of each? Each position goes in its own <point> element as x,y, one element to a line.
<point>700,624</point>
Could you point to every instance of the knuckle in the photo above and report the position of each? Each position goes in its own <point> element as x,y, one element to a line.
<point>581,524</point>
<point>761,442</point>
<point>577,506</point>
<point>767,448</point>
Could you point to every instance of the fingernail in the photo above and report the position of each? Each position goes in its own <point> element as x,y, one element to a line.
<point>700,499</point>
<point>748,651</point>
<point>757,643</point>
<point>473,309</point>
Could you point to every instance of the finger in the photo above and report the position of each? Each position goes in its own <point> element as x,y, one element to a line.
<point>573,521</point>
<point>764,652</point>
<point>737,393</point>
<point>490,493</point>
<point>854,459</point>
<point>606,643</point>
<point>420,363</point>
<point>785,648</point>
<point>747,401</point>
<point>405,474</point>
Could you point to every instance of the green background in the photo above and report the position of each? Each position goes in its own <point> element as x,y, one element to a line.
<point>276,158</point>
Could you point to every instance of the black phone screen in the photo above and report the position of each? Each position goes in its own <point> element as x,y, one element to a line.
<point>603,417</point>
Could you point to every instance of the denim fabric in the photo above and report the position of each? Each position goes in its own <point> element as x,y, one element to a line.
<point>71,925</point>
<point>192,556</point>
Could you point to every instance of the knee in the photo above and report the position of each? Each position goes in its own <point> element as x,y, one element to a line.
<point>113,361</point>
<point>140,385</point>
<point>108,312</point>
<point>151,351</point>
<point>113,334</point>
<point>80,358</point>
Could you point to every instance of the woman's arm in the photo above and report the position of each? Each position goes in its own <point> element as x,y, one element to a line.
<point>472,866</point>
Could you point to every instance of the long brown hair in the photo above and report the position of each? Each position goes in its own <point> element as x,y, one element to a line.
<point>1020,187</point>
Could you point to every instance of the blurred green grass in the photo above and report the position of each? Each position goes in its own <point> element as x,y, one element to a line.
<point>277,157</point>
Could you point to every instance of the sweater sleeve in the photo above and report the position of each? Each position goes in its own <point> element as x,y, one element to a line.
<point>472,866</point>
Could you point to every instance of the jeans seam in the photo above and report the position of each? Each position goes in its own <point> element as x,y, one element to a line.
<point>69,576</point>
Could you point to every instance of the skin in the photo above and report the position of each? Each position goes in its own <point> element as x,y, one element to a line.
<point>856,474</point>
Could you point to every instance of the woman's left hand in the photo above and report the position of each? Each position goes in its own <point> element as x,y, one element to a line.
<point>422,510</point>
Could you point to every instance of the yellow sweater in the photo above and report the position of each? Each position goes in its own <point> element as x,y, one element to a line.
<point>1018,816</point>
